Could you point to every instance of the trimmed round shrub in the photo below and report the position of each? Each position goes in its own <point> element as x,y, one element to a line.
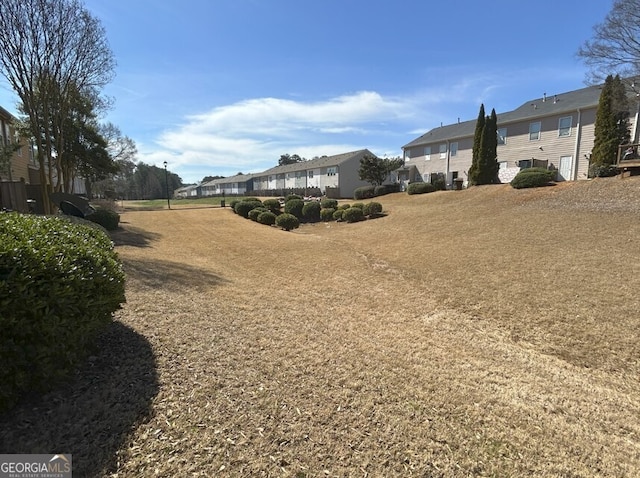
<point>268,218</point>
<point>372,209</point>
<point>532,178</point>
<point>254,213</point>
<point>287,221</point>
<point>243,207</point>
<point>353,214</point>
<point>328,203</point>
<point>60,283</point>
<point>364,192</point>
<point>344,206</point>
<point>338,213</point>
<point>294,207</point>
<point>292,196</point>
<point>107,218</point>
<point>272,205</point>
<point>232,204</point>
<point>358,205</point>
<point>420,188</point>
<point>311,211</point>
<point>326,214</point>
<point>386,189</point>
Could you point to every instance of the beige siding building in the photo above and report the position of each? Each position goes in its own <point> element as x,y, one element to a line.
<point>552,131</point>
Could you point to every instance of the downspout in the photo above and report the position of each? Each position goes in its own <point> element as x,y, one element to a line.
<point>634,134</point>
<point>574,163</point>
<point>448,165</point>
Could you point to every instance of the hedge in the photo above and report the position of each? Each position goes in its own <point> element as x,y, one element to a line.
<point>60,283</point>
<point>287,221</point>
<point>533,178</point>
<point>420,188</point>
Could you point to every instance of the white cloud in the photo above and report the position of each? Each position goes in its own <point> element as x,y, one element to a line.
<point>252,134</point>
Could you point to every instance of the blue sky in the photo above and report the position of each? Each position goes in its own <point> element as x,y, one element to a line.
<point>215,87</point>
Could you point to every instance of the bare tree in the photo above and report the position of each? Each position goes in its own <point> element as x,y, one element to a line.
<point>48,50</point>
<point>615,46</point>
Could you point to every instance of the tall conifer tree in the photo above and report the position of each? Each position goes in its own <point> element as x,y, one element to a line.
<point>475,152</point>
<point>612,122</point>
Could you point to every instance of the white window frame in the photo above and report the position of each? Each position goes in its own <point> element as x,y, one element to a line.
<point>332,170</point>
<point>534,130</point>
<point>407,155</point>
<point>565,131</point>
<point>502,136</point>
<point>310,174</point>
<point>443,151</point>
<point>453,149</point>
<point>427,153</point>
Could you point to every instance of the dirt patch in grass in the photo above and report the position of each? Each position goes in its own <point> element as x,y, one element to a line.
<point>485,332</point>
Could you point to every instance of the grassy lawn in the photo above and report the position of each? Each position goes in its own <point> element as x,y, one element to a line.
<point>484,332</point>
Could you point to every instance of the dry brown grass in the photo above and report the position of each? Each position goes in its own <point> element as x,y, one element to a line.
<point>488,332</point>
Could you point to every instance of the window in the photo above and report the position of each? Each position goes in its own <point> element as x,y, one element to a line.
<point>407,155</point>
<point>332,171</point>
<point>564,126</point>
<point>443,151</point>
<point>310,174</point>
<point>453,148</point>
<point>502,136</point>
<point>534,131</point>
<point>427,153</point>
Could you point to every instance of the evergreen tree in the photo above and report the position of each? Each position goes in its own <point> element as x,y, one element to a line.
<point>475,152</point>
<point>611,124</point>
<point>488,161</point>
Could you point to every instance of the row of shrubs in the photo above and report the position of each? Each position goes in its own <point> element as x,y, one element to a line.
<point>369,192</point>
<point>296,210</point>
<point>60,283</point>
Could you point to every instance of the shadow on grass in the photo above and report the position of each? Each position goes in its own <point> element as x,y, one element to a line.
<point>132,236</point>
<point>174,276</point>
<point>91,416</point>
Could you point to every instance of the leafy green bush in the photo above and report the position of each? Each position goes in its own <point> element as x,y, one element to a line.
<point>107,218</point>
<point>372,209</point>
<point>254,213</point>
<point>60,283</point>
<point>329,203</point>
<point>533,178</point>
<point>353,214</point>
<point>386,189</point>
<point>294,207</point>
<point>358,205</point>
<point>344,206</point>
<point>420,188</point>
<point>364,192</point>
<point>232,204</point>
<point>338,213</point>
<point>326,214</point>
<point>268,218</point>
<point>292,196</point>
<point>603,170</point>
<point>243,207</point>
<point>311,211</point>
<point>272,205</point>
<point>287,221</point>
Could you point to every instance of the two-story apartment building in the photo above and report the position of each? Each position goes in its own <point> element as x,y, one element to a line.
<point>554,131</point>
<point>336,176</point>
<point>20,173</point>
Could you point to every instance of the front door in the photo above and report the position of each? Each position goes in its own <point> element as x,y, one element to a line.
<point>564,173</point>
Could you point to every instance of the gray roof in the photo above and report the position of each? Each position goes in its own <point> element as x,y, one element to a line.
<point>238,178</point>
<point>537,108</point>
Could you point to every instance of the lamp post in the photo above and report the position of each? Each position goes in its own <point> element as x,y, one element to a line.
<point>166,182</point>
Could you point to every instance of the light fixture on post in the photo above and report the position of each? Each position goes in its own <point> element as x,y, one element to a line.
<point>166,181</point>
